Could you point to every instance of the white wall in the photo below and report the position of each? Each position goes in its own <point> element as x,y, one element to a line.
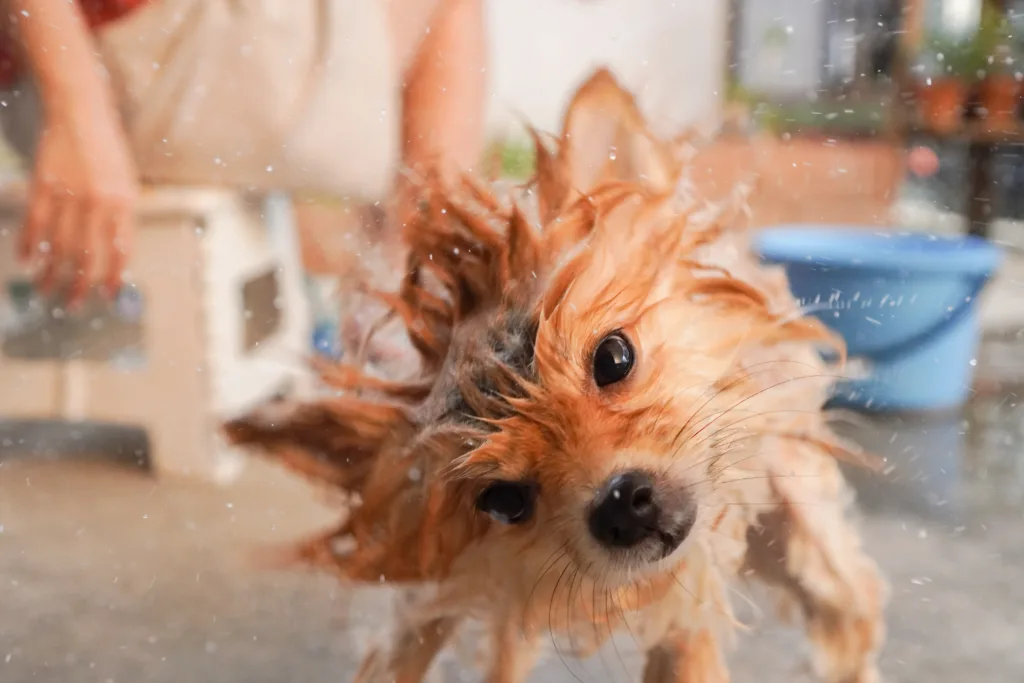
<point>671,53</point>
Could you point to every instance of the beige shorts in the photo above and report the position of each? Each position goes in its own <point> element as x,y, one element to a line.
<point>282,94</point>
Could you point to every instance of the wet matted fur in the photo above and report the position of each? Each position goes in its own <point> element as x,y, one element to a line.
<point>505,306</point>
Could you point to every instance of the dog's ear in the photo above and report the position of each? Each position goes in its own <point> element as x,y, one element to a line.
<point>334,441</point>
<point>605,139</point>
<point>605,153</point>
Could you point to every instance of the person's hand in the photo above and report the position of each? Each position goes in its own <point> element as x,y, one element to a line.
<point>79,223</point>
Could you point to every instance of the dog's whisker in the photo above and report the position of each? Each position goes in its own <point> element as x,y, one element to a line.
<point>569,600</point>
<point>737,377</point>
<point>750,397</point>
<point>755,415</point>
<point>558,556</point>
<point>761,503</point>
<point>551,626</point>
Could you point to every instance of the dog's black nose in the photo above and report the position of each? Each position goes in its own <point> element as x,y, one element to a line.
<point>624,513</point>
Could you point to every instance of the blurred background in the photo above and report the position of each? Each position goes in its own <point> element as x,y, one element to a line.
<point>129,531</point>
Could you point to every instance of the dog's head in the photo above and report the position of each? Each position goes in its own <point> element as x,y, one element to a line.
<point>594,385</point>
<point>643,386</point>
<point>638,397</point>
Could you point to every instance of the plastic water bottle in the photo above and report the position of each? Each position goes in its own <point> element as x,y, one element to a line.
<point>326,338</point>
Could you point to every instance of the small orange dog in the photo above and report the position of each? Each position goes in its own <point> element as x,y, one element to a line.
<point>617,414</point>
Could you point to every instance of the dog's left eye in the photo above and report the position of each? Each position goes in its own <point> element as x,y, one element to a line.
<point>508,502</point>
<point>613,360</point>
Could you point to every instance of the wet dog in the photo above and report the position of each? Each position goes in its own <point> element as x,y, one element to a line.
<point>617,413</point>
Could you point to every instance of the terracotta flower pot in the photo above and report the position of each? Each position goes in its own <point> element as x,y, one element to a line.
<point>1000,96</point>
<point>942,104</point>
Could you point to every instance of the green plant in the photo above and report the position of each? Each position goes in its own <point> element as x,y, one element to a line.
<point>516,156</point>
<point>770,118</point>
<point>988,50</point>
<point>822,118</point>
<point>956,56</point>
<point>995,40</point>
<point>737,93</point>
<point>776,36</point>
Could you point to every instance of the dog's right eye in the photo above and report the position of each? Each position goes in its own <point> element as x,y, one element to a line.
<point>508,502</point>
<point>613,360</point>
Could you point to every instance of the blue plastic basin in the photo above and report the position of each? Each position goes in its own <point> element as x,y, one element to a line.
<point>904,302</point>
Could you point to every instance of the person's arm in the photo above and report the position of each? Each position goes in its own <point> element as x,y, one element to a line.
<point>444,94</point>
<point>60,53</point>
<point>408,21</point>
<point>84,182</point>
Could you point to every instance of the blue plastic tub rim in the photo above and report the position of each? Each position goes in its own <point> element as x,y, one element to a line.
<point>859,248</point>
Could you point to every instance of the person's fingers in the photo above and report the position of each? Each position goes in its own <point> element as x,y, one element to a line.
<point>65,216</point>
<point>37,221</point>
<point>88,245</point>
<point>65,222</point>
<point>120,233</point>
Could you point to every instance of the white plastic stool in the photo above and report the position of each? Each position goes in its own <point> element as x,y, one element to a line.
<point>225,324</point>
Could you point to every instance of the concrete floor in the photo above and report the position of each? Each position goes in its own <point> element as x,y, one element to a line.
<point>107,575</point>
